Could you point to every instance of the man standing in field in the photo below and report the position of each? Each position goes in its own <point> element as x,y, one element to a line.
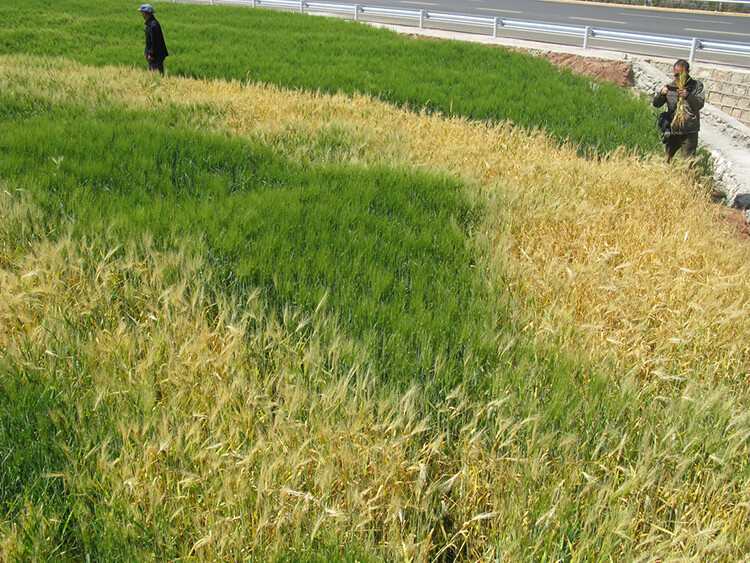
<point>684,98</point>
<point>156,49</point>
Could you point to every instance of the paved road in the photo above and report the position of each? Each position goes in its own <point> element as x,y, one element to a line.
<point>704,25</point>
<point>707,25</point>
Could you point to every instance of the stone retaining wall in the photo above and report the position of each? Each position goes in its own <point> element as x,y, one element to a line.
<point>727,90</point>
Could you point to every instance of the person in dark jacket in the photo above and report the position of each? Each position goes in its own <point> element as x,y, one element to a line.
<point>684,98</point>
<point>156,49</point>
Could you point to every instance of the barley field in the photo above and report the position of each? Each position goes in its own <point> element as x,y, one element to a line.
<point>297,51</point>
<point>242,321</point>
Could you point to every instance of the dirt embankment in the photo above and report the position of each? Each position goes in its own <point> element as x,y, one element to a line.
<point>619,72</point>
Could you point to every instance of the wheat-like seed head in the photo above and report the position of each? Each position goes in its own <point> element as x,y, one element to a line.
<point>236,435</point>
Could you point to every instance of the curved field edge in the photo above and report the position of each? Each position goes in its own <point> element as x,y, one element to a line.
<point>175,421</point>
<point>167,418</point>
<point>143,414</point>
<point>385,250</point>
<point>626,250</point>
<point>320,54</point>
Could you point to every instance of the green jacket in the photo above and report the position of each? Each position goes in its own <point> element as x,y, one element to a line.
<point>693,104</point>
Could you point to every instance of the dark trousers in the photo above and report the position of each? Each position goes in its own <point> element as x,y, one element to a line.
<point>686,144</point>
<point>157,66</point>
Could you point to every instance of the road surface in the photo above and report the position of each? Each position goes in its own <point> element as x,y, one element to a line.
<point>648,20</point>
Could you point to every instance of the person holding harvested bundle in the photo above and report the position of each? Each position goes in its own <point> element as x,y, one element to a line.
<point>156,49</point>
<point>684,98</point>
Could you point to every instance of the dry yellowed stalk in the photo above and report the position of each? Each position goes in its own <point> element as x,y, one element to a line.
<point>242,456</point>
<point>626,251</point>
<point>680,112</point>
<point>240,438</point>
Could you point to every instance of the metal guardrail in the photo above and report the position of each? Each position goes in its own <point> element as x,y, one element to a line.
<point>586,33</point>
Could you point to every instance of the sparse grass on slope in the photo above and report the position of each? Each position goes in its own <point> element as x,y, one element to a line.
<point>313,53</point>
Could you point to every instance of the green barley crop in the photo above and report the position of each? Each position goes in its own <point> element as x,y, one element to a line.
<point>320,54</point>
<point>144,415</point>
<point>385,250</point>
<point>167,391</point>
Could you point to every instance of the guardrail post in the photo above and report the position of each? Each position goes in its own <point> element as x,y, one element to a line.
<point>497,23</point>
<point>586,35</point>
<point>588,32</point>
<point>693,46</point>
